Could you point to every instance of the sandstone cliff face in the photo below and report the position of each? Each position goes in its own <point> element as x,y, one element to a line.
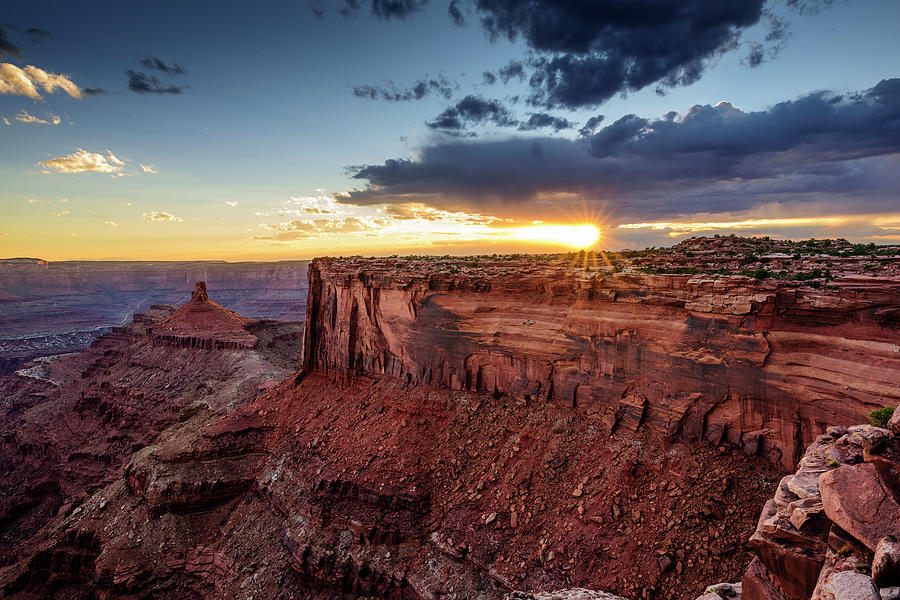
<point>762,364</point>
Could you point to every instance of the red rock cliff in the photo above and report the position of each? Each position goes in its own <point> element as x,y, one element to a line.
<point>763,364</point>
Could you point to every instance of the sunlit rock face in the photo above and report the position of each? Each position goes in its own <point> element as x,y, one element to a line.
<point>764,364</point>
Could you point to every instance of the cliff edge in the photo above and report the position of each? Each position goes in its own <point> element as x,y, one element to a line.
<point>762,364</point>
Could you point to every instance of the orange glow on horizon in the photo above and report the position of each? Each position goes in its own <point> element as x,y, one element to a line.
<point>692,227</point>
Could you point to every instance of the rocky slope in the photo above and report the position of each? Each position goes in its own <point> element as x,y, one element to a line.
<point>384,490</point>
<point>69,424</point>
<point>761,364</point>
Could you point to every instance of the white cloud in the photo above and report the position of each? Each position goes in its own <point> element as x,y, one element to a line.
<point>59,213</point>
<point>37,201</point>
<point>28,81</point>
<point>63,200</point>
<point>323,216</point>
<point>51,119</point>
<point>316,228</point>
<point>111,223</point>
<point>149,169</point>
<point>82,161</point>
<point>160,217</point>
<point>230,203</point>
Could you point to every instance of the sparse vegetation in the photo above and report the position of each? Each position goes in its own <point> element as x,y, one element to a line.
<point>880,417</point>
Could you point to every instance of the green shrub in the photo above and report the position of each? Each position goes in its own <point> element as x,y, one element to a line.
<point>880,417</point>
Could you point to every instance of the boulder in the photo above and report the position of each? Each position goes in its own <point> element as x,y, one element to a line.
<point>891,593</point>
<point>757,585</point>
<point>894,423</point>
<point>860,501</point>
<point>886,564</point>
<point>718,591</point>
<point>850,585</point>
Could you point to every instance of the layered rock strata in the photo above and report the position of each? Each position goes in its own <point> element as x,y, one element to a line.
<point>764,365</point>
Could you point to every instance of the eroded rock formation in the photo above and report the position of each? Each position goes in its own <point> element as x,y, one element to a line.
<point>68,425</point>
<point>761,364</point>
<point>201,323</point>
<point>49,308</point>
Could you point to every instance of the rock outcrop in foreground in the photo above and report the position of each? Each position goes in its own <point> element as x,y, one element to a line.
<point>831,531</point>
<point>761,364</point>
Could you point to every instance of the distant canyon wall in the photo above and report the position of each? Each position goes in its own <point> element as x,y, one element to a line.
<point>55,307</point>
<point>763,364</point>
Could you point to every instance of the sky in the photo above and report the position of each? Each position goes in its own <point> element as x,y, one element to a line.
<point>286,130</point>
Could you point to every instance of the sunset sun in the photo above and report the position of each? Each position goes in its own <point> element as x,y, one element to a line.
<point>573,236</point>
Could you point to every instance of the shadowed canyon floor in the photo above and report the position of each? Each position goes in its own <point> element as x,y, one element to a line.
<point>460,429</point>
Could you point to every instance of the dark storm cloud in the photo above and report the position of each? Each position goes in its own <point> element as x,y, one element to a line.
<point>37,35</point>
<point>489,78</point>
<point>382,9</point>
<point>172,68</point>
<point>417,91</point>
<point>472,110</point>
<point>7,48</point>
<point>141,83</point>
<point>584,53</point>
<point>590,51</point>
<point>711,158</point>
<point>93,91</point>
<point>543,121</point>
<point>590,126</point>
<point>455,13</point>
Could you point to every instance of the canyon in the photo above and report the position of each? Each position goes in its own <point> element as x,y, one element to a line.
<point>760,364</point>
<point>54,307</point>
<point>490,427</point>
